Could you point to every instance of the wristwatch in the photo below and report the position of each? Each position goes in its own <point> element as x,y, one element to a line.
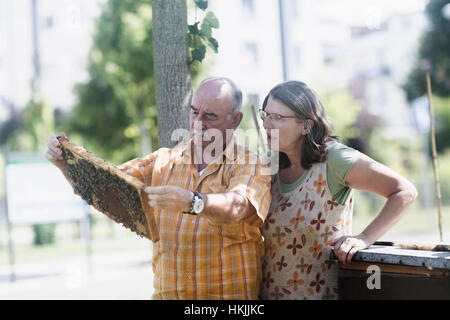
<point>197,204</point>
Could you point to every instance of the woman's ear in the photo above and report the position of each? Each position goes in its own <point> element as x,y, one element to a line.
<point>308,125</point>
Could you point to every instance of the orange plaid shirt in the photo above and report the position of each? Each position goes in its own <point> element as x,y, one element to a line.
<point>195,257</point>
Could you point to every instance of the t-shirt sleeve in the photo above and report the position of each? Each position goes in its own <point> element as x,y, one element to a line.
<point>340,160</point>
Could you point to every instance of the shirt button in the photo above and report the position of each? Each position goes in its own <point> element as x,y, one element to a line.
<point>189,276</point>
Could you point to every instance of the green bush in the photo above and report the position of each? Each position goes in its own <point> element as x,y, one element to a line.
<point>44,234</point>
<point>444,177</point>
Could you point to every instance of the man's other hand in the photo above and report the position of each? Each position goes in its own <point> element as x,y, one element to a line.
<point>169,197</point>
<point>54,153</point>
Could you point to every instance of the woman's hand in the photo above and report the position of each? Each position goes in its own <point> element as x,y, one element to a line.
<point>346,246</point>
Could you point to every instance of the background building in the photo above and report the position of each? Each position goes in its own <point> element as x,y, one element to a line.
<point>261,44</point>
<point>63,40</point>
<point>321,42</point>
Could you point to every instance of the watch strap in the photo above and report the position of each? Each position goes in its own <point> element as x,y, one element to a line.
<point>191,208</point>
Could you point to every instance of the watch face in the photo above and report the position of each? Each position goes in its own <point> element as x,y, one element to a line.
<point>198,206</point>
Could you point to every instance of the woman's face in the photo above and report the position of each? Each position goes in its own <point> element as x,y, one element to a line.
<point>283,134</point>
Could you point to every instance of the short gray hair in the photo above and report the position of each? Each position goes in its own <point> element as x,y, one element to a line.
<point>236,93</point>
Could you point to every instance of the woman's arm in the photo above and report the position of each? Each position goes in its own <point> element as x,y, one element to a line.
<point>369,175</point>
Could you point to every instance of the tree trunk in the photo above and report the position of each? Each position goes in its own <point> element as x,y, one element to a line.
<point>173,86</point>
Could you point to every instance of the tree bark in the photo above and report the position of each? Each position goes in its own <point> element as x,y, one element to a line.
<point>173,86</point>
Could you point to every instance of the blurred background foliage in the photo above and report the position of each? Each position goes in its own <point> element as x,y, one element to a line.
<point>343,111</point>
<point>115,115</point>
<point>433,55</point>
<point>33,126</point>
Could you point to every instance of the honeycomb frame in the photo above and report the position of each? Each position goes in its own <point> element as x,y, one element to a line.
<point>109,190</point>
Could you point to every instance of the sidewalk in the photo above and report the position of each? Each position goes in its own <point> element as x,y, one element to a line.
<point>125,275</point>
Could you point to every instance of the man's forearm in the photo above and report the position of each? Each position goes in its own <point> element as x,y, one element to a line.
<point>227,208</point>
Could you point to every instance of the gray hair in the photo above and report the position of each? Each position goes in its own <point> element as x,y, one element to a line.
<point>236,93</point>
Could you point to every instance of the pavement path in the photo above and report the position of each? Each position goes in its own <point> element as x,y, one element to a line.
<point>118,276</point>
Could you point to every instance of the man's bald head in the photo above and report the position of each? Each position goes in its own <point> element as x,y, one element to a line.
<point>223,88</point>
<point>216,104</point>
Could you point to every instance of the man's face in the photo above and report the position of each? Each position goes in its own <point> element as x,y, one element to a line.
<point>211,108</point>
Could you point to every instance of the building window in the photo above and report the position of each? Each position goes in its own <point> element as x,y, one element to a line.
<point>251,49</point>
<point>328,53</point>
<point>249,6</point>
<point>49,22</point>
<point>406,24</point>
<point>294,8</point>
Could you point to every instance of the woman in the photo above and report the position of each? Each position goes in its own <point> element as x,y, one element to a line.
<point>312,197</point>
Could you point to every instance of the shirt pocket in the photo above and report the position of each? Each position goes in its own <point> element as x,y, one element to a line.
<point>213,187</point>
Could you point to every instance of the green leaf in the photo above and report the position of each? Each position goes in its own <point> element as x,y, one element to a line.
<point>199,53</point>
<point>202,4</point>
<point>193,28</point>
<point>194,41</point>
<point>211,20</point>
<point>214,44</point>
<point>205,30</point>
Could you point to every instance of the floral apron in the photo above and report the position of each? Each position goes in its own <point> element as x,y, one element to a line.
<point>298,232</point>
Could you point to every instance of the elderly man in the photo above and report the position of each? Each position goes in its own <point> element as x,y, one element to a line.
<point>209,207</point>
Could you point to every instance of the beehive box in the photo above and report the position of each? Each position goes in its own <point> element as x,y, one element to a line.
<point>109,190</point>
<point>402,274</point>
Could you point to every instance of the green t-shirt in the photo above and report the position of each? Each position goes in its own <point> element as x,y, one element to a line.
<point>340,159</point>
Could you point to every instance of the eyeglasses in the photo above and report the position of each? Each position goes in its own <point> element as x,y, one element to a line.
<point>272,116</point>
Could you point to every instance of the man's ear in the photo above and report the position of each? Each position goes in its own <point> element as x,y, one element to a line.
<point>236,119</point>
